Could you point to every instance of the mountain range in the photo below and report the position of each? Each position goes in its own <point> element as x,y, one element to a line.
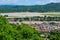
<point>51,7</point>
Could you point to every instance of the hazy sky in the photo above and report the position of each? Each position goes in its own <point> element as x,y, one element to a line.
<point>26,2</point>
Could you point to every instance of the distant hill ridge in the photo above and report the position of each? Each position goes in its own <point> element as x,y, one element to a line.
<point>51,7</point>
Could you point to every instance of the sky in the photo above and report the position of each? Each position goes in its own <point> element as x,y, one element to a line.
<point>27,2</point>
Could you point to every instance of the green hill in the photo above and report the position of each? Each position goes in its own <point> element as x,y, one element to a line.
<point>51,7</point>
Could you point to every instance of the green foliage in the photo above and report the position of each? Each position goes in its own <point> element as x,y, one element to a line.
<point>55,36</point>
<point>52,7</point>
<point>17,32</point>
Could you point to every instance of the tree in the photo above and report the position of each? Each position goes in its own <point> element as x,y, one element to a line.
<point>17,32</point>
<point>55,36</point>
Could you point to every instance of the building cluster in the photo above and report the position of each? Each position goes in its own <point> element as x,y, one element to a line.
<point>18,18</point>
<point>46,27</point>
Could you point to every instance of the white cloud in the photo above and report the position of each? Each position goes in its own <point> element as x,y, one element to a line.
<point>8,1</point>
<point>27,2</point>
<point>54,1</point>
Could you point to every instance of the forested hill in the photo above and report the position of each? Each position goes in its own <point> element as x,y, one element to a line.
<point>51,7</point>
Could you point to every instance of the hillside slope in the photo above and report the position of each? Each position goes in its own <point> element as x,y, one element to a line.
<point>52,7</point>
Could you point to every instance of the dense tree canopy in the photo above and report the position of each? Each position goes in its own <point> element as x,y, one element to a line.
<point>52,7</point>
<point>17,32</point>
<point>55,36</point>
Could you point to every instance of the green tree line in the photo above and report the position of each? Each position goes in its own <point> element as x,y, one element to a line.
<point>51,7</point>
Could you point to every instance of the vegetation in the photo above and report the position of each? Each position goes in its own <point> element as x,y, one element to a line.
<point>50,18</point>
<point>17,32</point>
<point>22,32</point>
<point>55,15</point>
<point>52,7</point>
<point>38,18</point>
<point>54,36</point>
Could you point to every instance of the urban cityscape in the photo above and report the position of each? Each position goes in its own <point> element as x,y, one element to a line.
<point>29,19</point>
